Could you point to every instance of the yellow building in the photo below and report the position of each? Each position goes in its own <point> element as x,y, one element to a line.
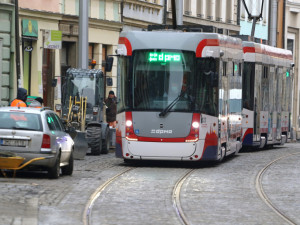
<point>42,67</point>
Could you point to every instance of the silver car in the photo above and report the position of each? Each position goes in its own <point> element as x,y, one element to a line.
<point>37,132</point>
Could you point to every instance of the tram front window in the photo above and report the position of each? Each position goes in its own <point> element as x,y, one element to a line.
<point>159,77</point>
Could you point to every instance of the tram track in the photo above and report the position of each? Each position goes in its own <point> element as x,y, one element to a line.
<point>263,195</point>
<point>86,217</point>
<point>87,214</point>
<point>176,197</point>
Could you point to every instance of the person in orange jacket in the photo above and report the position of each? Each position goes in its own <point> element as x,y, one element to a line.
<point>20,101</point>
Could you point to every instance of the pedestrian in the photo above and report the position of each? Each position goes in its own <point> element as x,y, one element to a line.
<point>37,103</point>
<point>111,110</point>
<point>20,101</point>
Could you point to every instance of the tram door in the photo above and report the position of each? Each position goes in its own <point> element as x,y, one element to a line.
<point>223,103</point>
<point>278,101</point>
<point>257,102</point>
<point>272,100</point>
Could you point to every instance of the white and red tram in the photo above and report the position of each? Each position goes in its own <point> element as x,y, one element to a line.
<point>267,95</point>
<point>179,95</point>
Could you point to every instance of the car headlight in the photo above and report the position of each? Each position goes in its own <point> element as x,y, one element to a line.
<point>95,110</point>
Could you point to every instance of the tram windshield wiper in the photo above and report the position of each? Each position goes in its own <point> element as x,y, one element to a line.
<point>170,106</point>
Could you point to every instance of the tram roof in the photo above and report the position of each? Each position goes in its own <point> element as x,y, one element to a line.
<point>175,40</point>
<point>257,48</point>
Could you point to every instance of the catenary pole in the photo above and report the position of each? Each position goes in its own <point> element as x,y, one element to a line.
<point>83,34</point>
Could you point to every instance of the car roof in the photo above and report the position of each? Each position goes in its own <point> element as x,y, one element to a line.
<point>25,109</point>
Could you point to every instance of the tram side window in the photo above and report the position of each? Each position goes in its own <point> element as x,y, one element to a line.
<point>207,86</point>
<point>284,106</point>
<point>248,85</point>
<point>265,103</point>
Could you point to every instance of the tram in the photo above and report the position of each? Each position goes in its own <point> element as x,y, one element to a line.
<point>267,95</point>
<point>179,96</point>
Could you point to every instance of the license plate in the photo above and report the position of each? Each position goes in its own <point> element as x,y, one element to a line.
<point>11,142</point>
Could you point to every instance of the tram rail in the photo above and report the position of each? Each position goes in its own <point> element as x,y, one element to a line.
<point>263,195</point>
<point>176,197</point>
<point>86,218</point>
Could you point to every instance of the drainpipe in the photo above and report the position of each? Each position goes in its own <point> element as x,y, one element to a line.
<point>283,26</point>
<point>17,39</point>
<point>273,22</point>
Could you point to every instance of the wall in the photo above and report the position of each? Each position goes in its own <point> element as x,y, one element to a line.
<point>41,5</point>
<point>292,32</point>
<point>7,67</point>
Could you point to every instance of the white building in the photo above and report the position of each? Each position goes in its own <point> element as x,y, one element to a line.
<point>218,13</point>
<point>292,40</point>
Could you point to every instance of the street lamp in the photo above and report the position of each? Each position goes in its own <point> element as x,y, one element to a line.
<point>254,17</point>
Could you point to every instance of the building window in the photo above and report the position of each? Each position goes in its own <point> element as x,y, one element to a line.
<point>290,45</point>
<point>102,9</point>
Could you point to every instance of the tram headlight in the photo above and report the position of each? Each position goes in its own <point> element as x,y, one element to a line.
<point>130,135</point>
<point>194,132</point>
<point>128,123</point>
<point>196,125</point>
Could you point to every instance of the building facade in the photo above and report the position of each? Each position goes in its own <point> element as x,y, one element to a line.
<point>291,41</point>
<point>223,14</point>
<point>137,15</point>
<point>42,66</point>
<point>7,51</point>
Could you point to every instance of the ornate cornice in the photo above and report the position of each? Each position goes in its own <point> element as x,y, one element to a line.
<point>143,4</point>
<point>70,19</point>
<point>44,15</point>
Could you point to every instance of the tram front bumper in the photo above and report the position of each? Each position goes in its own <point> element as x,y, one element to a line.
<point>177,151</point>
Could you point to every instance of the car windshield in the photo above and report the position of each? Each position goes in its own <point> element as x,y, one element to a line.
<point>81,86</point>
<point>20,121</point>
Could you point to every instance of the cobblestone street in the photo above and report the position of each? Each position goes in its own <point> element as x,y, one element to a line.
<point>213,194</point>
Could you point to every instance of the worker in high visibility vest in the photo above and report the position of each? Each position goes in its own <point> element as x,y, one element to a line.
<point>20,101</point>
<point>37,103</point>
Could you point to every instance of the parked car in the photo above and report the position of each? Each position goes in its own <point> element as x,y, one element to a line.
<point>37,132</point>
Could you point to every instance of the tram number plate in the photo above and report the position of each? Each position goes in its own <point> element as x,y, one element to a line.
<point>11,142</point>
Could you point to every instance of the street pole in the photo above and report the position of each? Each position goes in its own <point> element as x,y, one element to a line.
<point>179,12</point>
<point>83,34</point>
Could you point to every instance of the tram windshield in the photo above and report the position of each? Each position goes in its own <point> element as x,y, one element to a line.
<point>172,81</point>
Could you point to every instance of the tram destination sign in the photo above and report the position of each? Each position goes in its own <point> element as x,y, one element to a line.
<point>164,57</point>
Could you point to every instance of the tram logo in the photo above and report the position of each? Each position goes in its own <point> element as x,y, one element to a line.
<point>160,131</point>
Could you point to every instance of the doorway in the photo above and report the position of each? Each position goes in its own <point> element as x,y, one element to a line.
<point>48,75</point>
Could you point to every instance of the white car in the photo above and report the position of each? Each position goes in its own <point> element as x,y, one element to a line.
<point>37,132</point>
